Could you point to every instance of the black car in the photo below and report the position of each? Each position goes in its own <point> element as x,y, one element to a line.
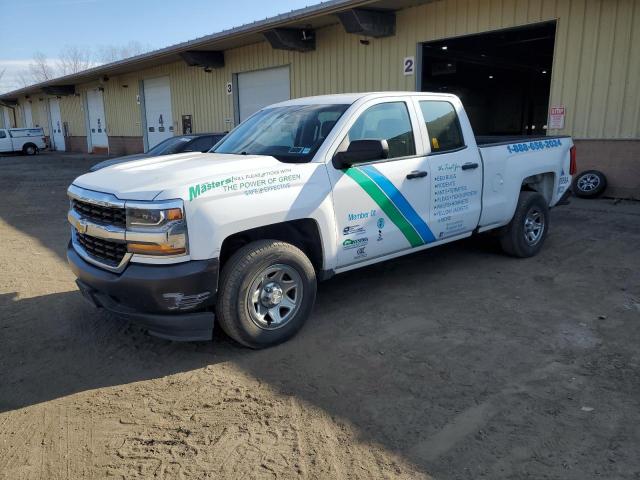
<point>201,142</point>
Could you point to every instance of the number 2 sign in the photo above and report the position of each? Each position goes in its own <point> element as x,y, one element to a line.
<point>409,65</point>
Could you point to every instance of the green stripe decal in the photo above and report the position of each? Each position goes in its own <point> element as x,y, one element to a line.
<point>386,205</point>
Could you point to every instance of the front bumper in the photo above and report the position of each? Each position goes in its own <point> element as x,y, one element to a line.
<point>171,301</point>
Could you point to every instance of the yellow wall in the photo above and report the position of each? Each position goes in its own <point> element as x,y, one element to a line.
<point>596,70</point>
<point>72,112</point>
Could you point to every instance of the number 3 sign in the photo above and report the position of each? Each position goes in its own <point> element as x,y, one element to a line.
<point>409,65</point>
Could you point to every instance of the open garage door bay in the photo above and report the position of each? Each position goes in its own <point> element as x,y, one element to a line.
<point>503,77</point>
<point>57,132</point>
<point>261,88</point>
<point>97,123</point>
<point>157,106</point>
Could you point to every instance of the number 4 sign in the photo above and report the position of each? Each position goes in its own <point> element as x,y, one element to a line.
<point>409,65</point>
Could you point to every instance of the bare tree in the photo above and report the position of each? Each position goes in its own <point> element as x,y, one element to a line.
<point>24,79</point>
<point>73,59</point>
<point>113,53</point>
<point>40,68</point>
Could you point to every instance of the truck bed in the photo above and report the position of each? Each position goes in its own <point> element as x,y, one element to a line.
<point>494,140</point>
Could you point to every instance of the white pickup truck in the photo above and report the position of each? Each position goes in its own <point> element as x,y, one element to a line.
<point>26,140</point>
<point>300,191</point>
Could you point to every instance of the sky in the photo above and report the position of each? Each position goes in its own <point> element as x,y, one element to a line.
<point>30,26</point>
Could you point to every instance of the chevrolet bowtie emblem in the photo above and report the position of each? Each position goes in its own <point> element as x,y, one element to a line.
<point>81,226</point>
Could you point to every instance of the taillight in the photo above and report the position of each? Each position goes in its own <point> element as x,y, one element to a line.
<point>573,167</point>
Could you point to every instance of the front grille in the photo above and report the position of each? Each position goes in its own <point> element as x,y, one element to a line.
<point>103,215</point>
<point>106,251</point>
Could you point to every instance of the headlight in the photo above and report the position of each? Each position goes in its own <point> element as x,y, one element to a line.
<point>156,229</point>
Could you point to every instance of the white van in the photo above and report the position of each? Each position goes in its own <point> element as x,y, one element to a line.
<point>26,140</point>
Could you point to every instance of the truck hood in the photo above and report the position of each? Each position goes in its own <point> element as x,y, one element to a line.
<point>147,178</point>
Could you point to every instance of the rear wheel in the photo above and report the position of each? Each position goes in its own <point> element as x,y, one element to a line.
<point>267,291</point>
<point>30,149</point>
<point>527,231</point>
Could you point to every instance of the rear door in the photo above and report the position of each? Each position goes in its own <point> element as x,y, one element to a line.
<point>456,168</point>
<point>57,132</point>
<point>382,207</point>
<point>262,88</point>
<point>97,123</point>
<point>157,105</point>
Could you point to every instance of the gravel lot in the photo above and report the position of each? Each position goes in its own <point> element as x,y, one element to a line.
<point>453,363</point>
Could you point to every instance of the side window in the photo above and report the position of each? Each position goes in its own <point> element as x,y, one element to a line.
<point>202,144</point>
<point>3,134</point>
<point>443,125</point>
<point>386,121</point>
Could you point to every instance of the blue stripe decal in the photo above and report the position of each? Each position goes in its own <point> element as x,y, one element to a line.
<point>400,202</point>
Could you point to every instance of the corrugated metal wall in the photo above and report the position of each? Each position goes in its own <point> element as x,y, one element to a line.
<point>72,112</point>
<point>596,69</point>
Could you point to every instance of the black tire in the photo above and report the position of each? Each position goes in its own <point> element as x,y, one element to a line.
<point>29,149</point>
<point>236,312</point>
<point>589,184</point>
<point>519,238</point>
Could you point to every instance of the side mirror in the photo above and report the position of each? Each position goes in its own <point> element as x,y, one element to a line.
<point>361,151</point>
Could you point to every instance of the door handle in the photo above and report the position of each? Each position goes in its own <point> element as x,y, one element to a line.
<point>470,166</point>
<point>417,174</point>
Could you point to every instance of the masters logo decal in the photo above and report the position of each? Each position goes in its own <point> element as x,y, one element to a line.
<point>249,184</point>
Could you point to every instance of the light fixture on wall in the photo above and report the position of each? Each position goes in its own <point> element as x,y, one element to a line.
<point>364,41</point>
<point>208,69</point>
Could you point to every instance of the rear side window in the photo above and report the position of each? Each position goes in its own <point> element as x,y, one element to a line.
<point>2,134</point>
<point>386,121</point>
<point>443,126</point>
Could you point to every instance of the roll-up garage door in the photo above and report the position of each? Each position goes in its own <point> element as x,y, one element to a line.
<point>157,106</point>
<point>28,118</point>
<point>57,133</point>
<point>261,88</point>
<point>97,124</point>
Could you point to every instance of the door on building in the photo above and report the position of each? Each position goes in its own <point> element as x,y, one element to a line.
<point>503,77</point>
<point>57,131</point>
<point>97,123</point>
<point>157,106</point>
<point>28,117</point>
<point>262,88</point>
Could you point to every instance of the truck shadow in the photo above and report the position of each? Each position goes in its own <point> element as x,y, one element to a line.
<point>361,357</point>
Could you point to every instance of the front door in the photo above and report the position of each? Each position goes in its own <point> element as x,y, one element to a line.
<point>382,207</point>
<point>57,132</point>
<point>5,141</point>
<point>456,171</point>
<point>97,123</point>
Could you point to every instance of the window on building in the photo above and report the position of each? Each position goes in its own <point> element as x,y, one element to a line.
<point>443,126</point>
<point>386,121</point>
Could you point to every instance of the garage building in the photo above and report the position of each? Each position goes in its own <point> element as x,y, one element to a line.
<point>568,67</point>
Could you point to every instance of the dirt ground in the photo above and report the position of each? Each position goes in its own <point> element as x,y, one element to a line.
<point>456,363</point>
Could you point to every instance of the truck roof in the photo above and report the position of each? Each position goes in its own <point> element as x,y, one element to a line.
<point>349,98</point>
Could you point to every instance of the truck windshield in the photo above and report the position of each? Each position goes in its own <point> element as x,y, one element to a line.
<point>291,134</point>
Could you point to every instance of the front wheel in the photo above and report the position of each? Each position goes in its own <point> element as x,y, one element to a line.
<point>527,231</point>
<point>267,292</point>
